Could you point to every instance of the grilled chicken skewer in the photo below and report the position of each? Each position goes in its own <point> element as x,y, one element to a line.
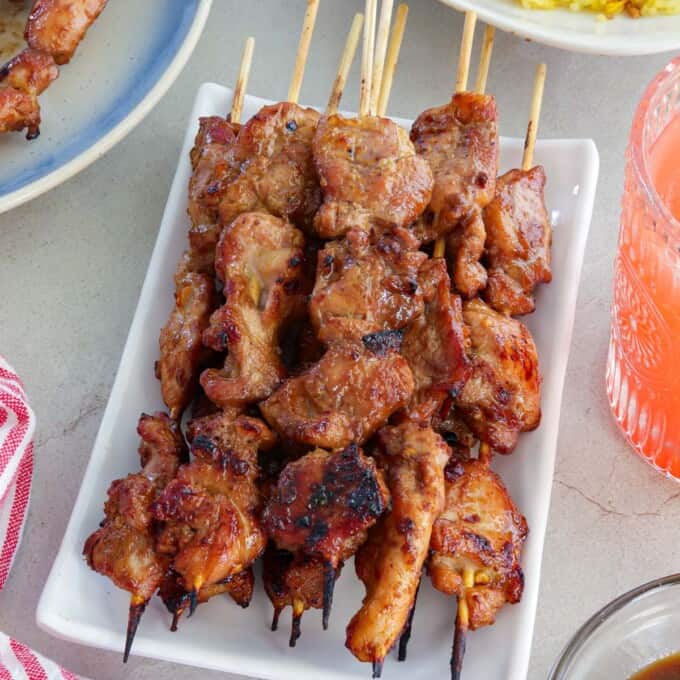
<point>475,548</point>
<point>322,505</point>
<point>519,233</point>
<point>413,458</point>
<point>53,31</point>
<point>460,141</point>
<point>182,352</point>
<point>124,548</point>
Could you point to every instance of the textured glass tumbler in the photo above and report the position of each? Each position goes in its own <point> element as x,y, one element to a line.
<point>643,364</point>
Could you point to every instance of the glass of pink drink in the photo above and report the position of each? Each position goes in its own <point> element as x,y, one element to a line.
<point>643,365</point>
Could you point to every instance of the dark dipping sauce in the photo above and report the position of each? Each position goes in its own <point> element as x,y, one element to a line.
<point>667,668</point>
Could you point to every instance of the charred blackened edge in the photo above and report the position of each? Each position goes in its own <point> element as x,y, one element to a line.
<point>383,342</point>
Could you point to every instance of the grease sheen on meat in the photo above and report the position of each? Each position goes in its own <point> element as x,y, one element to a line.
<point>434,344</point>
<point>502,397</point>
<point>21,81</point>
<point>260,260</point>
<point>124,548</point>
<point>211,508</point>
<point>413,457</point>
<point>57,26</point>
<point>480,529</point>
<point>518,240</point>
<point>370,175</point>
<point>344,398</point>
<point>272,168</point>
<point>363,288</point>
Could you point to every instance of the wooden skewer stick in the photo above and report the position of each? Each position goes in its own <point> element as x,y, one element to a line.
<point>485,59</point>
<point>380,51</point>
<point>295,629</point>
<point>345,64</point>
<point>137,607</point>
<point>462,625</point>
<point>466,51</point>
<point>396,39</point>
<point>532,127</point>
<point>242,81</point>
<point>485,453</point>
<point>461,85</point>
<point>303,50</point>
<point>367,59</point>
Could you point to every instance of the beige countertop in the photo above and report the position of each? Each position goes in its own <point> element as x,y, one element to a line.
<point>73,262</point>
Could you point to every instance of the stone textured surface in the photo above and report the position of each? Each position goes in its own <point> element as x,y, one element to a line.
<point>73,262</point>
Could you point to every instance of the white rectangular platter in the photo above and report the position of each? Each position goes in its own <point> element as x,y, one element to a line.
<point>82,606</point>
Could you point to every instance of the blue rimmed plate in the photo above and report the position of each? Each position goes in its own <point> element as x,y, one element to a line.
<point>128,60</point>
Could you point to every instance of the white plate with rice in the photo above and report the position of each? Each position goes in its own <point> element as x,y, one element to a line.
<point>584,31</point>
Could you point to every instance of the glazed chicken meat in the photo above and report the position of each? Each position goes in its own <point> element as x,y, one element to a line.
<point>345,397</point>
<point>389,564</point>
<point>124,548</point>
<point>434,344</point>
<point>57,26</point>
<point>21,81</point>
<point>502,396</point>
<point>260,259</point>
<point>363,288</point>
<point>460,142</point>
<point>518,240</point>
<point>271,167</point>
<point>370,175</point>
<point>181,341</point>
<point>478,537</point>
<point>211,509</point>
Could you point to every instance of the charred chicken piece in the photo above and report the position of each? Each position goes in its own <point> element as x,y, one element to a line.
<point>58,26</point>
<point>322,505</point>
<point>370,175</point>
<point>295,580</point>
<point>460,142</point>
<point>123,549</point>
<point>239,587</point>
<point>261,261</point>
<point>502,396</point>
<point>363,288</point>
<point>182,352</point>
<point>390,562</point>
<point>348,395</point>
<point>271,167</point>
<point>478,538</point>
<point>211,173</point>
<point>212,507</point>
<point>518,239</point>
<point>21,81</point>
<point>434,344</point>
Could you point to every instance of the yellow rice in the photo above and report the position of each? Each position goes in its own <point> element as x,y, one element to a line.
<point>610,8</point>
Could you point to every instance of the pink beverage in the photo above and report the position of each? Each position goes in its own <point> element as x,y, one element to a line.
<point>643,366</point>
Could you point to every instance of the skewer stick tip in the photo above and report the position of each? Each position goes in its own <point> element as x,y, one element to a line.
<point>381,40</point>
<point>465,51</point>
<point>328,586</point>
<point>242,80</point>
<point>367,59</point>
<point>345,64</point>
<point>534,116</point>
<point>137,607</point>
<point>303,50</point>
<point>392,58</point>
<point>485,59</point>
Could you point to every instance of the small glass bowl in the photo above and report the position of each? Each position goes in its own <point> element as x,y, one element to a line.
<point>631,632</point>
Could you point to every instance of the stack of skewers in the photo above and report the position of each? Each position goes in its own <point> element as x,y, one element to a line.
<point>344,336</point>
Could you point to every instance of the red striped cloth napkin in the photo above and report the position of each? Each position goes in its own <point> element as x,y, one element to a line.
<point>17,423</point>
